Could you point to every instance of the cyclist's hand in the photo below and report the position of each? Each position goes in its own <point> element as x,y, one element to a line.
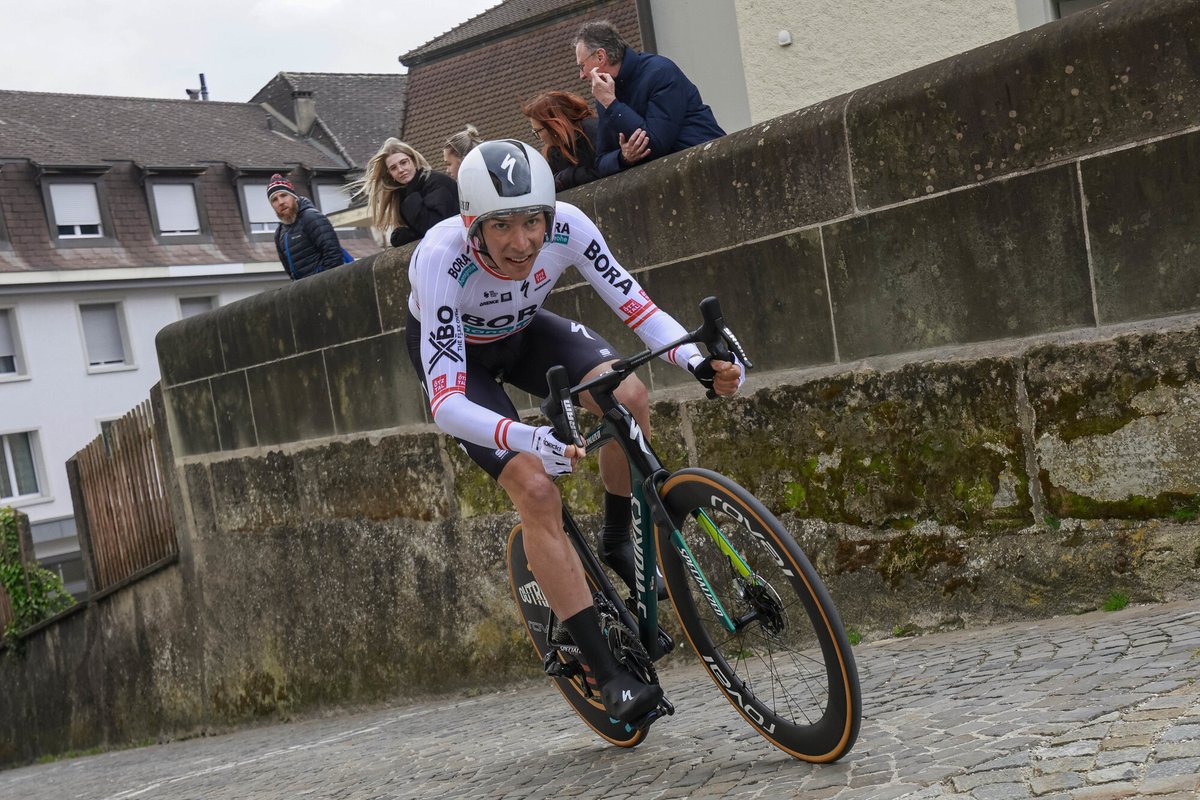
<point>720,377</point>
<point>557,458</point>
<point>727,378</point>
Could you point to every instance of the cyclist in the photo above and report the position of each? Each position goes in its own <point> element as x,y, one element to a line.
<point>476,321</point>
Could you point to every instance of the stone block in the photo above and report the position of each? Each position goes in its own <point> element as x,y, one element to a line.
<point>190,417</point>
<point>291,399</point>
<point>1144,225</point>
<point>711,196</point>
<point>189,349</point>
<point>401,485</point>
<point>372,384</point>
<point>257,329</point>
<point>879,449</point>
<point>772,295</point>
<point>390,269</point>
<point>1117,426</point>
<point>1091,81</point>
<point>334,307</point>
<point>1003,260</point>
<point>255,494</point>
<point>234,415</point>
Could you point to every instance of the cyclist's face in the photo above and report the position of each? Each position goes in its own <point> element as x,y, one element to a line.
<point>514,241</point>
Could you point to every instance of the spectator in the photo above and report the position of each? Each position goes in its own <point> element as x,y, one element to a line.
<point>305,241</point>
<point>646,106</point>
<point>404,194</point>
<point>456,148</point>
<point>566,128</point>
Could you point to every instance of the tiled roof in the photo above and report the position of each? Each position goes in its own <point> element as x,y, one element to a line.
<point>496,20</point>
<point>92,129</point>
<point>464,86</point>
<point>360,110</point>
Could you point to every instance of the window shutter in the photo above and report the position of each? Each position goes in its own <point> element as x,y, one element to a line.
<point>7,346</point>
<point>332,198</point>
<point>176,207</point>
<point>75,204</point>
<point>102,334</point>
<point>22,456</point>
<point>191,306</point>
<point>258,208</point>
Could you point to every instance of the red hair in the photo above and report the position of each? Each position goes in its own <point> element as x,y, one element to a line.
<point>562,115</point>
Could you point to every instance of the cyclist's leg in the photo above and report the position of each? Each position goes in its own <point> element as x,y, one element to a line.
<point>553,560</point>
<point>549,340</point>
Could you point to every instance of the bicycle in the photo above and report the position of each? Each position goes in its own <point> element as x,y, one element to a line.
<point>748,600</point>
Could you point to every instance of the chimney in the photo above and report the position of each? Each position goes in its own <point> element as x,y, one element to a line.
<point>304,107</point>
<point>203,88</point>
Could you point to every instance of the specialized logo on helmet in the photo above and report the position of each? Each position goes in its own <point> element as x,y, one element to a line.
<point>511,176</point>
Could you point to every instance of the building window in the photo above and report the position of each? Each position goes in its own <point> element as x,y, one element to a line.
<point>76,211</point>
<point>104,335</point>
<point>18,467</point>
<point>259,214</point>
<point>331,198</point>
<point>175,209</point>
<point>11,362</point>
<point>191,306</point>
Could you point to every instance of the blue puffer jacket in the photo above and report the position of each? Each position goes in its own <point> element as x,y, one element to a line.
<point>652,94</point>
<point>309,245</point>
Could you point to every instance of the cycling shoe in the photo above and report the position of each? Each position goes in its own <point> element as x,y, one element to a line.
<point>628,699</point>
<point>620,558</point>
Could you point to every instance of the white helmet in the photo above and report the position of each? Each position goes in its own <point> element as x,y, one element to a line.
<point>501,178</point>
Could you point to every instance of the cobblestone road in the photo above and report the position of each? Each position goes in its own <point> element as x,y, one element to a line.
<point>1088,707</point>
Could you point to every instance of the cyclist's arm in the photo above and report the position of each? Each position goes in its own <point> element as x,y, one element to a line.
<point>624,295</point>
<point>444,358</point>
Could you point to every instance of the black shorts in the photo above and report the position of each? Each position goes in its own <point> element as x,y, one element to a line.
<point>520,360</point>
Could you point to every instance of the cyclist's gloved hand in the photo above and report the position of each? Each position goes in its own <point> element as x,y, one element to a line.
<point>551,451</point>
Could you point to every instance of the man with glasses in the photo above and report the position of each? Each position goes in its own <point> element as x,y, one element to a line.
<point>646,106</point>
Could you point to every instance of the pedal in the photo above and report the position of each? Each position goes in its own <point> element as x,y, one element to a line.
<point>557,668</point>
<point>664,709</point>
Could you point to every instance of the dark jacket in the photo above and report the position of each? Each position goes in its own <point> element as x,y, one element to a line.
<point>652,94</point>
<point>309,245</point>
<point>427,200</point>
<point>566,174</point>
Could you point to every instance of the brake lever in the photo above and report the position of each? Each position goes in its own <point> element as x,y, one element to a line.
<point>559,408</point>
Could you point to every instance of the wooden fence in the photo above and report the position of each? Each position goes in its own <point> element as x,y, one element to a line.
<point>127,525</point>
<point>6,612</point>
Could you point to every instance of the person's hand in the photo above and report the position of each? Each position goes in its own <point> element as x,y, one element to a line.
<point>557,458</point>
<point>603,87</point>
<point>722,377</point>
<point>636,147</point>
<point>726,378</point>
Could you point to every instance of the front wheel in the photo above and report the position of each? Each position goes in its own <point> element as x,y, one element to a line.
<point>759,617</point>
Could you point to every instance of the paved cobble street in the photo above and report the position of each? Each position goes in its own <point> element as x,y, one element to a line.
<point>1103,705</point>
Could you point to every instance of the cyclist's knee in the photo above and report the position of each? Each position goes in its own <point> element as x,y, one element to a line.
<point>529,486</point>
<point>632,394</point>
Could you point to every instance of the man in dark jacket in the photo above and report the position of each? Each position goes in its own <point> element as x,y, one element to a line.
<point>305,241</point>
<point>646,106</point>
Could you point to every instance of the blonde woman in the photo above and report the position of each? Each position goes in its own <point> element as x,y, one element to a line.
<point>404,194</point>
<point>455,149</point>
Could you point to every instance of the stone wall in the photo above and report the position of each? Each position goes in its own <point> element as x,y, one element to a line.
<point>972,403</point>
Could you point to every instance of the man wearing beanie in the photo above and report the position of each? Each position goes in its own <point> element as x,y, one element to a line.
<point>305,241</point>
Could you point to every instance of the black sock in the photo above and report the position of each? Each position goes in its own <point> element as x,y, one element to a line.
<point>618,515</point>
<point>584,627</point>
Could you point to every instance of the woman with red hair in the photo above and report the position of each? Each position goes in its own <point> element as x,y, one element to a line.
<point>564,125</point>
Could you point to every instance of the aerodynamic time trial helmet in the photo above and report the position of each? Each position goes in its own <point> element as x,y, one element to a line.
<point>503,177</point>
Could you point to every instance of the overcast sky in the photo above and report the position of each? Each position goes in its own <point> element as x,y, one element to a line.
<point>158,48</point>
